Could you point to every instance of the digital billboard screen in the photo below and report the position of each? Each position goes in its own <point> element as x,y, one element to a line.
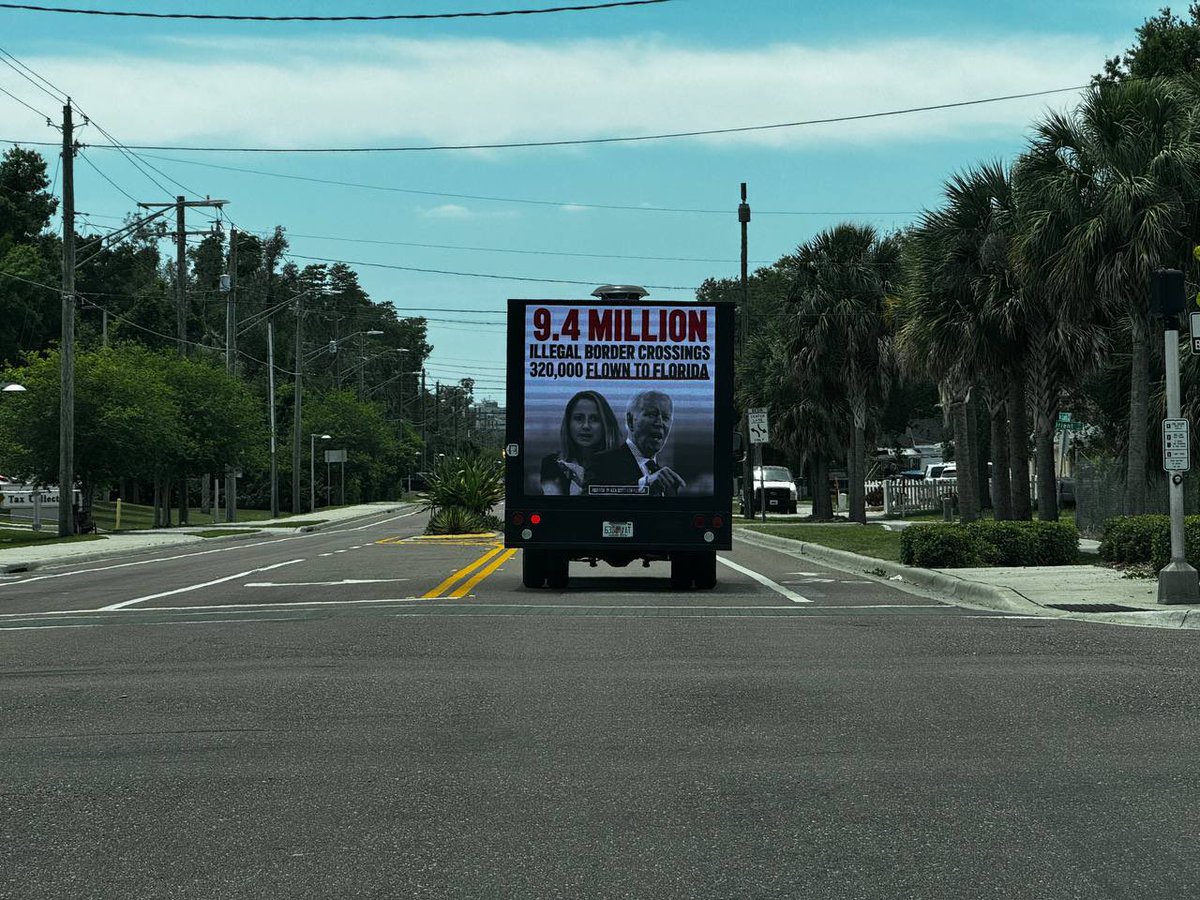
<point>619,400</point>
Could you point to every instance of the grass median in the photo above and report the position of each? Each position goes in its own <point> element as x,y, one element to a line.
<point>867,540</point>
<point>23,537</point>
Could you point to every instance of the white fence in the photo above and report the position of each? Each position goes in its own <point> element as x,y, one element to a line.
<point>902,497</point>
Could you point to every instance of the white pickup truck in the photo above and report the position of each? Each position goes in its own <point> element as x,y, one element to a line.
<point>780,488</point>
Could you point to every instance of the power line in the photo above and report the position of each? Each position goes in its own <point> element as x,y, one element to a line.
<point>120,189</point>
<point>32,109</point>
<point>524,200</point>
<point>326,237</point>
<point>575,142</point>
<point>592,282</point>
<point>60,96</point>
<point>384,18</point>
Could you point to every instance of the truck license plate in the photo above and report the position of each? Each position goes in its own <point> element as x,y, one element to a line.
<point>618,529</point>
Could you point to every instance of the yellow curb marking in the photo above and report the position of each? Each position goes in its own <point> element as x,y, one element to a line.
<point>462,573</point>
<point>484,573</point>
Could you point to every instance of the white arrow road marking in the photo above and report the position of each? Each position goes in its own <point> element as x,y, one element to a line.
<point>261,584</point>
<point>196,587</point>
<point>764,580</point>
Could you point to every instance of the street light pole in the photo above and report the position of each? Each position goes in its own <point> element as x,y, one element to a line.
<point>312,468</point>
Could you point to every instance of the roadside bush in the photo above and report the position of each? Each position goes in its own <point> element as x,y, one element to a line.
<point>1160,544</point>
<point>462,493</point>
<point>939,547</point>
<point>991,543</point>
<point>455,520</point>
<point>1130,539</point>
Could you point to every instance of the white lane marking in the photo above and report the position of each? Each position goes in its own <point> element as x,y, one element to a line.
<point>806,574</point>
<point>330,553</point>
<point>764,580</point>
<point>810,581</point>
<point>44,627</point>
<point>272,584</point>
<point>159,559</point>
<point>384,522</point>
<point>196,587</point>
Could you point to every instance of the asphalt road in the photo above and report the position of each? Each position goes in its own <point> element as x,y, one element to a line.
<point>298,717</point>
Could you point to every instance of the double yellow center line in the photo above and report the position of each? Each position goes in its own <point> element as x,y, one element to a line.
<point>473,574</point>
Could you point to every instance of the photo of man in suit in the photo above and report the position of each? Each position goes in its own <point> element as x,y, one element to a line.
<point>647,426</point>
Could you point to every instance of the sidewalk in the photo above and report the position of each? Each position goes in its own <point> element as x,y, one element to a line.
<point>32,556</point>
<point>1088,593</point>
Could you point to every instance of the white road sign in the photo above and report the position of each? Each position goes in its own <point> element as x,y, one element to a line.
<point>1177,451</point>
<point>759,433</point>
<point>1194,322</point>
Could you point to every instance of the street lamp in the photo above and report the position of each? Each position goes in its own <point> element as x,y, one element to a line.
<point>312,468</point>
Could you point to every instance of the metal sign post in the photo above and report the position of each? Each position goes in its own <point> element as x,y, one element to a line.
<point>1177,581</point>
<point>759,434</point>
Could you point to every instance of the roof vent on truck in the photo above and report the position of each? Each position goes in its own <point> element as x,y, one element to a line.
<point>616,292</point>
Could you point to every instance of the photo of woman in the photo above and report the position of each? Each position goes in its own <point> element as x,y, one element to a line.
<point>588,427</point>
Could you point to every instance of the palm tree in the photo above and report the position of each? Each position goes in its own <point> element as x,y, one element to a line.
<point>1112,192</point>
<point>842,281</point>
<point>934,337</point>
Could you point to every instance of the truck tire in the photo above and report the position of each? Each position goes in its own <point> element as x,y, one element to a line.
<point>558,571</point>
<point>533,568</point>
<point>682,571</point>
<point>705,571</point>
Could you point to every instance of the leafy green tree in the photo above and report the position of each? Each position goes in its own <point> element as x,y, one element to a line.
<point>374,458</point>
<point>1167,44</point>
<point>127,421</point>
<point>25,203</point>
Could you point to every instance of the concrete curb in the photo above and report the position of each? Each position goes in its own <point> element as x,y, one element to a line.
<point>173,538</point>
<point>960,591</point>
<point>972,593</point>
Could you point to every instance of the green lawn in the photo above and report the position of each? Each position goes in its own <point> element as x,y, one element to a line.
<point>19,537</point>
<point>138,516</point>
<point>869,540</point>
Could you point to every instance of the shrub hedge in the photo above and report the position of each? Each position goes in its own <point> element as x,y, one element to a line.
<point>950,546</point>
<point>1130,539</point>
<point>1160,544</point>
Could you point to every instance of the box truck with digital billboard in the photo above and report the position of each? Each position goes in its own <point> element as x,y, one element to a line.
<point>619,434</point>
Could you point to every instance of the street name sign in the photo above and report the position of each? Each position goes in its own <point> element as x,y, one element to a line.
<point>1177,451</point>
<point>1194,322</point>
<point>759,432</point>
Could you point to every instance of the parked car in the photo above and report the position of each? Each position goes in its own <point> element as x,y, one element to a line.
<point>780,487</point>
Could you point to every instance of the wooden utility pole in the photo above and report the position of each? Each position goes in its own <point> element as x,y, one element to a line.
<point>271,410</point>
<point>66,409</point>
<point>231,364</point>
<point>181,234</point>
<point>743,321</point>
<point>297,411</point>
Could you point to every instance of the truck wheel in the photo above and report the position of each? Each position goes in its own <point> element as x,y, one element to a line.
<point>557,570</point>
<point>533,568</point>
<point>706,571</point>
<point>792,508</point>
<point>682,571</point>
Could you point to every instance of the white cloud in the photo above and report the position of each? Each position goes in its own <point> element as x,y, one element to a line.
<point>404,92</point>
<point>447,211</point>
<point>458,211</point>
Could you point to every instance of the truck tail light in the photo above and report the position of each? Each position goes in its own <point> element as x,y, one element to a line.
<point>698,521</point>
<point>518,518</point>
<point>535,519</point>
<point>718,521</point>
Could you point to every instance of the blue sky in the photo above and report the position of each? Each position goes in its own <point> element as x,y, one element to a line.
<point>679,66</point>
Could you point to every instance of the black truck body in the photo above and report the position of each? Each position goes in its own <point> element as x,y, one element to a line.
<point>634,370</point>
